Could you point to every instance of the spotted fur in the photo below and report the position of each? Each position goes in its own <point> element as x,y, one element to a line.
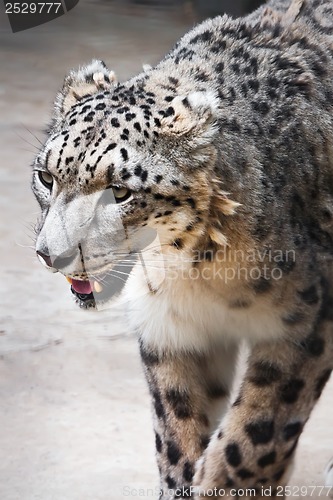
<point>224,149</point>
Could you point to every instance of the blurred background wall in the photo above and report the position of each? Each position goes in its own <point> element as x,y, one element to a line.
<point>198,9</point>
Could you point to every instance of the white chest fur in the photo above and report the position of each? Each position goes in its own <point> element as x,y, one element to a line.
<point>184,315</point>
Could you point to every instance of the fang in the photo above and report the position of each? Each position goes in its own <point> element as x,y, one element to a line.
<point>97,287</point>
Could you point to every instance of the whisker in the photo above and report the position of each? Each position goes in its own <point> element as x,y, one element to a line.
<point>24,246</point>
<point>27,150</point>
<point>118,277</point>
<point>33,135</point>
<point>29,225</point>
<point>171,261</point>
<point>31,238</point>
<point>132,267</point>
<point>111,273</point>
<point>100,280</point>
<point>146,249</point>
<point>25,140</point>
<point>120,272</point>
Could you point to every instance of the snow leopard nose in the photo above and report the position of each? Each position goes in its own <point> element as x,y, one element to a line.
<point>45,259</point>
<point>57,262</point>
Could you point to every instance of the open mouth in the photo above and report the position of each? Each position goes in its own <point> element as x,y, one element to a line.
<point>83,289</point>
<point>100,288</point>
<point>91,292</point>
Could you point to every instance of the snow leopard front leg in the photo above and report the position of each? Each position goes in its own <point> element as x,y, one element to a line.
<point>190,392</point>
<point>254,445</point>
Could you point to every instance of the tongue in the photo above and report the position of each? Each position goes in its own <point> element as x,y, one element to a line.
<point>80,286</point>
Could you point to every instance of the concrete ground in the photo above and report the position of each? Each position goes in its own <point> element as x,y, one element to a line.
<point>75,420</point>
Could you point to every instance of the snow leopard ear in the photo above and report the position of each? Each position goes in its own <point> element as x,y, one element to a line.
<point>193,115</point>
<point>80,83</point>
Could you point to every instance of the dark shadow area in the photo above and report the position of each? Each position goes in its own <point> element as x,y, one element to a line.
<point>195,9</point>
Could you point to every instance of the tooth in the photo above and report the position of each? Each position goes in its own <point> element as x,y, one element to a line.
<point>69,280</point>
<point>97,287</point>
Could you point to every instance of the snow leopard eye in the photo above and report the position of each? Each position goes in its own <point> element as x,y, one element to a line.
<point>121,194</point>
<point>46,179</point>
